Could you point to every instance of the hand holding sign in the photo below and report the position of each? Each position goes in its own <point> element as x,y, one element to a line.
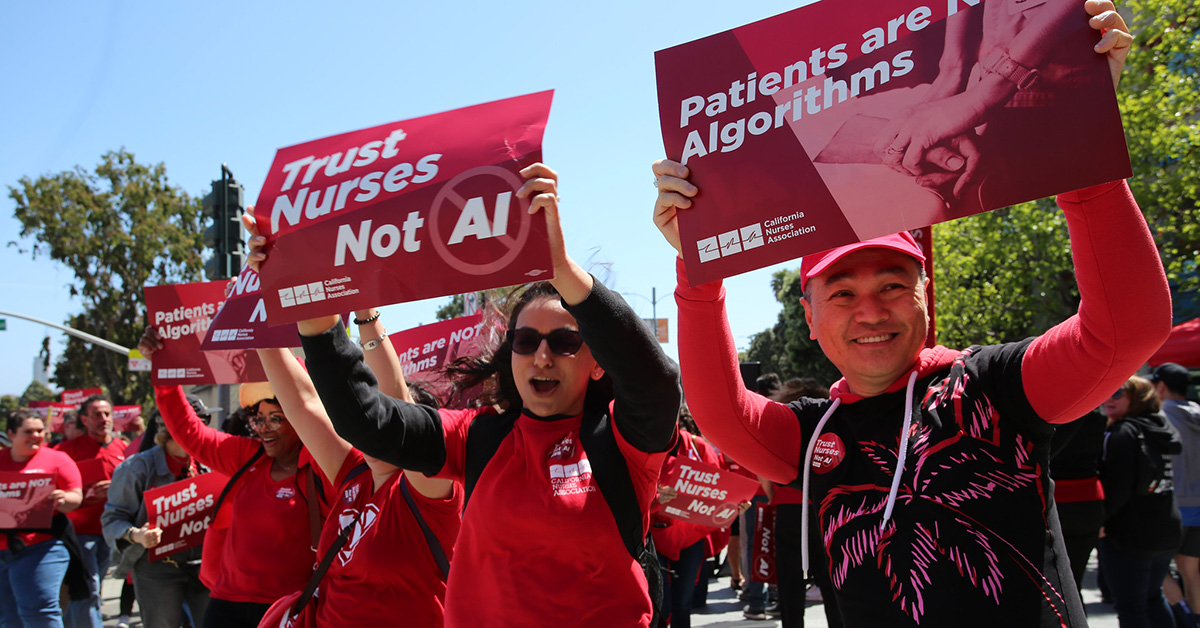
<point>147,536</point>
<point>674,193</point>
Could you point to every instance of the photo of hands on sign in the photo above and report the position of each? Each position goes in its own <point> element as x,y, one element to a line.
<point>987,131</point>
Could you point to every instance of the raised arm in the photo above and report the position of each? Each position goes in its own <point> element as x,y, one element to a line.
<point>304,411</point>
<point>381,356</point>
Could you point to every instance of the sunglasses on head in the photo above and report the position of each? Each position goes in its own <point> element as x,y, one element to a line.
<point>525,340</point>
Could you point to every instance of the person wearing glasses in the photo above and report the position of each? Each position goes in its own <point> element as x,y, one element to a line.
<point>259,547</point>
<point>1142,526</point>
<point>166,586</point>
<point>538,543</point>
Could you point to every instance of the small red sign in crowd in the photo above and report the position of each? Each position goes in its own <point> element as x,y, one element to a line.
<point>183,511</point>
<point>705,495</point>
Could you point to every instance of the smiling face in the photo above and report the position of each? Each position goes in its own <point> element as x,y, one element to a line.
<point>549,383</point>
<point>868,313</point>
<point>98,421</point>
<point>27,438</point>
<point>278,437</point>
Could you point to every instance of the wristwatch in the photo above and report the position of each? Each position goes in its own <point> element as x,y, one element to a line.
<point>128,536</point>
<point>998,62</point>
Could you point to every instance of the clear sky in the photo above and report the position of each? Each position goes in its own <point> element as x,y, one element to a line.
<point>195,85</point>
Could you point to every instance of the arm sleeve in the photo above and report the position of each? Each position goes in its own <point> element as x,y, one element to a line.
<point>124,503</point>
<point>1124,307</point>
<point>213,448</point>
<point>744,425</point>
<point>405,434</point>
<point>645,382</point>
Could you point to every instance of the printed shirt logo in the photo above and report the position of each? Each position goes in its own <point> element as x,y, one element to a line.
<point>350,495</point>
<point>370,514</point>
<point>285,492</point>
<point>567,476</point>
<point>828,453</point>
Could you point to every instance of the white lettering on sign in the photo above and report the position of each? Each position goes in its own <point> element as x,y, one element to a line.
<point>384,241</point>
<point>473,220</point>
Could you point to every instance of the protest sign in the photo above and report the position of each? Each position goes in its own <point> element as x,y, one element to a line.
<point>831,123</point>
<point>705,495</point>
<point>424,350</point>
<point>51,413</point>
<point>124,417</point>
<point>241,322</point>
<point>182,314</point>
<point>762,559</point>
<point>76,397</point>
<point>25,500</point>
<point>410,210</point>
<point>183,511</point>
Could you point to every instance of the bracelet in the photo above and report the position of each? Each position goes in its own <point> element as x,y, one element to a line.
<point>374,342</point>
<point>369,320</point>
<point>128,536</point>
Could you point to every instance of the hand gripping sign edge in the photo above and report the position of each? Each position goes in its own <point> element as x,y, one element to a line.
<point>447,194</point>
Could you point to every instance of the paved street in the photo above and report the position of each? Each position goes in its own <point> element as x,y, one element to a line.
<point>724,611</point>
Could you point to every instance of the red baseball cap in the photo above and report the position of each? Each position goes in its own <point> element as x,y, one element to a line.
<point>815,264</point>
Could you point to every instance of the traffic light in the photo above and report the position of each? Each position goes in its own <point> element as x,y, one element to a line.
<point>225,204</point>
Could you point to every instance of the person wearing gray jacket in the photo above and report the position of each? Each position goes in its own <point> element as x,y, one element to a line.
<point>1171,383</point>
<point>163,587</point>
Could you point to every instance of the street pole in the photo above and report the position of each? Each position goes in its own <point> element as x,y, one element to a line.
<point>99,342</point>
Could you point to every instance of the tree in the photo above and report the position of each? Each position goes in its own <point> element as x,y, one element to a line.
<point>37,391</point>
<point>786,348</point>
<point>118,229</point>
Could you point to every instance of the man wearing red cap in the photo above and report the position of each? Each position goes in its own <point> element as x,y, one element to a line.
<point>928,467</point>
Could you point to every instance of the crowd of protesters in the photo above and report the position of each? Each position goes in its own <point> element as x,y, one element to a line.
<point>355,498</point>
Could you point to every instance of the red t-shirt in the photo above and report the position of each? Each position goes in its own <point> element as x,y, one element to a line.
<point>82,449</point>
<point>267,551</point>
<point>44,460</point>
<point>539,545</point>
<point>386,569</point>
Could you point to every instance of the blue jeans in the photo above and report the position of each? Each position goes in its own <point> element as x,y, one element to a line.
<point>1136,587</point>
<point>86,613</point>
<point>29,585</point>
<point>756,593</point>
<point>679,583</point>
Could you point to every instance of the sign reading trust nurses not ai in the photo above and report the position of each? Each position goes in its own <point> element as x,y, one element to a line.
<point>409,210</point>
<point>846,120</point>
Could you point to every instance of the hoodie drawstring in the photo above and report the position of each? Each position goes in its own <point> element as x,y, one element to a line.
<point>812,444</point>
<point>903,453</point>
<point>808,454</point>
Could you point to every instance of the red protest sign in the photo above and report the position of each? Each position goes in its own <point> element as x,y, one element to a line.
<point>182,314</point>
<point>705,495</point>
<point>429,347</point>
<point>25,500</point>
<point>762,560</point>
<point>76,397</point>
<point>241,322</point>
<point>832,124</point>
<point>124,417</point>
<point>410,210</point>
<point>183,511</point>
<point>51,413</point>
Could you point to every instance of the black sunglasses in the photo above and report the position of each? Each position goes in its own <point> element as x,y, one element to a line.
<point>1117,395</point>
<point>525,340</point>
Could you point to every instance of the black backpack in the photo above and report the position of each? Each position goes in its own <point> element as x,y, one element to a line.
<point>610,471</point>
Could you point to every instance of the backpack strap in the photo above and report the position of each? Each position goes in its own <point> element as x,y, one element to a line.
<point>233,480</point>
<point>435,546</point>
<point>326,561</point>
<point>315,521</point>
<point>484,436</point>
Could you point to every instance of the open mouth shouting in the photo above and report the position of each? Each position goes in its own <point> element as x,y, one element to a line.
<point>543,385</point>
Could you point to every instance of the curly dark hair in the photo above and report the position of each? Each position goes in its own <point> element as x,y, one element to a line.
<point>493,370</point>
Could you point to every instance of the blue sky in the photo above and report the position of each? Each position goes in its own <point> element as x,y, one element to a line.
<point>194,85</point>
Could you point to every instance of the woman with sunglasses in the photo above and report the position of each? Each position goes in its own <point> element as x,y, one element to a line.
<point>163,587</point>
<point>259,547</point>
<point>539,545</point>
<point>1142,526</point>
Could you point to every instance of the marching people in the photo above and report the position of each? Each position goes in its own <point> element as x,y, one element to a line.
<point>1171,383</point>
<point>385,563</point>
<point>574,424</point>
<point>1141,525</point>
<point>931,489</point>
<point>100,450</point>
<point>261,543</point>
<point>164,588</point>
<point>33,564</point>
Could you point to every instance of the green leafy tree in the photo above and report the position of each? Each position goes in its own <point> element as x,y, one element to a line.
<point>37,391</point>
<point>118,228</point>
<point>786,348</point>
<point>8,404</point>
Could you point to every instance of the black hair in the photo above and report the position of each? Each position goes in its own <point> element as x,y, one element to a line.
<point>86,405</point>
<point>17,418</point>
<point>494,370</point>
<point>152,428</point>
<point>424,396</point>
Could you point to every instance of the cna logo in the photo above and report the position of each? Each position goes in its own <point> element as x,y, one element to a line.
<point>730,242</point>
<point>301,294</point>
<point>224,335</point>
<point>172,373</point>
<point>285,492</point>
<point>365,522</point>
<point>569,471</point>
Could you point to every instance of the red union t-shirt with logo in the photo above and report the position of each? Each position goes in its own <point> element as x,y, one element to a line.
<point>386,566</point>
<point>44,460</point>
<point>409,210</point>
<point>539,545</point>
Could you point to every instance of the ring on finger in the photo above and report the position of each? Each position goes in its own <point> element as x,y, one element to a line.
<point>892,150</point>
<point>656,182</point>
